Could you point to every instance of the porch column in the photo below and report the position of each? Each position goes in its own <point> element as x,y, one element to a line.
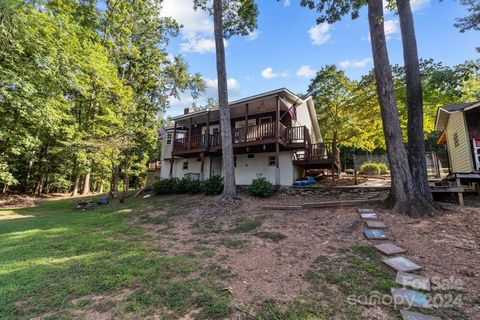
<point>190,134</point>
<point>201,166</point>
<point>277,143</point>
<point>207,130</point>
<point>172,157</point>
<point>246,121</point>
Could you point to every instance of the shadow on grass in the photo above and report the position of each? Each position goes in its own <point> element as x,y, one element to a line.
<point>57,254</point>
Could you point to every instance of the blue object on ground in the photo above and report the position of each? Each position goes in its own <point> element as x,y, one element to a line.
<point>103,201</point>
<point>305,181</point>
<point>375,234</point>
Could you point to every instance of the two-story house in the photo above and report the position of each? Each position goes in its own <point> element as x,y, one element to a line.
<point>275,134</point>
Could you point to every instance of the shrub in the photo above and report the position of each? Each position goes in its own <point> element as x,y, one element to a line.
<point>261,187</point>
<point>370,168</point>
<point>165,186</point>
<point>349,171</point>
<point>383,168</point>
<point>182,185</point>
<point>213,186</point>
<point>373,168</point>
<point>194,186</point>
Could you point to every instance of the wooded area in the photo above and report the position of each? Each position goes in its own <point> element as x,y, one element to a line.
<point>82,87</point>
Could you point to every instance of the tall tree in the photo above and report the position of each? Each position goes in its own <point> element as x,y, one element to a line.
<point>230,17</point>
<point>404,194</point>
<point>415,127</point>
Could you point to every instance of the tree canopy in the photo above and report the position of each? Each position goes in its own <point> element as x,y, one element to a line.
<point>82,88</point>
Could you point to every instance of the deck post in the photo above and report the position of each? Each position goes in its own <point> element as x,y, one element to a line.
<point>173,148</point>
<point>201,166</point>
<point>246,121</point>
<point>277,143</point>
<point>207,130</point>
<point>190,135</point>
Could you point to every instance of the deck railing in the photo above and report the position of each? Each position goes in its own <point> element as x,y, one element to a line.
<point>253,133</point>
<point>319,151</point>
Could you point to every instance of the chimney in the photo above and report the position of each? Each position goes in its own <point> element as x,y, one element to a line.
<point>186,110</point>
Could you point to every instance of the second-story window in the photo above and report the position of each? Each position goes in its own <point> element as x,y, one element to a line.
<point>169,139</point>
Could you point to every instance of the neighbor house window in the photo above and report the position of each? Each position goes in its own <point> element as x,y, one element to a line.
<point>456,142</point>
<point>271,161</point>
<point>169,139</point>
<point>185,165</point>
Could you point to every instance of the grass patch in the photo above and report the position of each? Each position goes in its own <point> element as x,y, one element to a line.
<point>52,254</point>
<point>357,270</point>
<point>234,242</point>
<point>270,310</point>
<point>246,225</point>
<point>273,236</point>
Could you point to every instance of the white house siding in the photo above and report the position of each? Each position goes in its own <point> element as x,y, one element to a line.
<point>248,169</point>
<point>460,154</point>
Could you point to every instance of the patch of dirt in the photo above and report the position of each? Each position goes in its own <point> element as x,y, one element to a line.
<point>18,201</point>
<point>447,245</point>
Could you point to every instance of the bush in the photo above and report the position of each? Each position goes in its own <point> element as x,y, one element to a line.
<point>373,168</point>
<point>261,187</point>
<point>349,171</point>
<point>194,186</point>
<point>213,186</point>
<point>383,168</point>
<point>165,186</point>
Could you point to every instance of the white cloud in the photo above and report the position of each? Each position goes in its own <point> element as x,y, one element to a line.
<point>253,35</point>
<point>286,3</point>
<point>355,63</point>
<point>320,34</point>
<point>212,86</point>
<point>268,73</point>
<point>419,4</point>
<point>200,45</point>
<point>305,71</point>
<point>391,28</point>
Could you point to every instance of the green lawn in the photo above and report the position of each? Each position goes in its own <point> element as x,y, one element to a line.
<point>52,256</point>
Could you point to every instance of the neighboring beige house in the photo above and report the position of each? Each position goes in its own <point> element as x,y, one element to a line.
<point>275,134</point>
<point>460,131</point>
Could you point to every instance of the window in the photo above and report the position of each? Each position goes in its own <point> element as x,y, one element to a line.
<point>271,161</point>
<point>250,156</point>
<point>456,142</point>
<point>185,165</point>
<point>169,139</point>
<point>234,161</point>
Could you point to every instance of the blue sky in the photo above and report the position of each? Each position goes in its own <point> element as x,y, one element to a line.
<point>288,47</point>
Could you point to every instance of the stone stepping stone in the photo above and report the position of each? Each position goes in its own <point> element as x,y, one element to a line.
<point>375,234</point>
<point>369,216</point>
<point>365,210</point>
<point>402,264</point>
<point>375,224</point>
<point>389,249</point>
<point>413,280</point>
<point>410,315</point>
<point>409,298</point>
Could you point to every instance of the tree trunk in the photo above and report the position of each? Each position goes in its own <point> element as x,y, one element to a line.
<point>403,192</point>
<point>416,140</point>
<point>126,182</point>
<point>115,175</point>
<point>229,190</point>
<point>76,183</point>
<point>86,182</point>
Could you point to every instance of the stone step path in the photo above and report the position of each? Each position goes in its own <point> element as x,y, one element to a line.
<point>389,249</point>
<point>413,280</point>
<point>375,230</point>
<point>410,315</point>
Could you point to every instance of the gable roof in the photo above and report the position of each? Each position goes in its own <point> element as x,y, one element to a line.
<point>443,113</point>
